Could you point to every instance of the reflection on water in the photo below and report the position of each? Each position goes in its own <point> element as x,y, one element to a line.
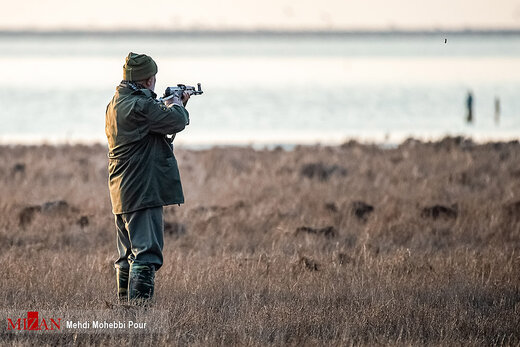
<point>269,89</point>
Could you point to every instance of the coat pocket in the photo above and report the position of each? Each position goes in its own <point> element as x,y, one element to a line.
<point>169,168</point>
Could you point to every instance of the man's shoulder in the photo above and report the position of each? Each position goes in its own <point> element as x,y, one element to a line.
<point>146,92</point>
<point>128,100</point>
<point>125,90</point>
<point>134,98</point>
<point>139,94</point>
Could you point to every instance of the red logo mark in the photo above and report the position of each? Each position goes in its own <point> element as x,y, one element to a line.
<point>32,322</point>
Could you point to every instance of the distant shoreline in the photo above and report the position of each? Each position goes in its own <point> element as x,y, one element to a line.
<point>259,33</point>
<point>459,140</point>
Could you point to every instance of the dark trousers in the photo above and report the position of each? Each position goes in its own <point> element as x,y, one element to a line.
<point>140,238</point>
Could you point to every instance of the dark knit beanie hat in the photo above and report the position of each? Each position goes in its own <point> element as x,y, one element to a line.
<point>138,67</point>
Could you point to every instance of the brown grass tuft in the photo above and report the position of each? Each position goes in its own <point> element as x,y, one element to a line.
<point>355,244</point>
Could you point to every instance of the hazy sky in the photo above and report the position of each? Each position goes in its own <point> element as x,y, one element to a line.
<point>266,14</point>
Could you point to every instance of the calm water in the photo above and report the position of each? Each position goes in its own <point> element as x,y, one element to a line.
<point>269,90</point>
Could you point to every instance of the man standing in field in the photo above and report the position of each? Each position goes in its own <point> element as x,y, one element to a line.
<point>142,173</point>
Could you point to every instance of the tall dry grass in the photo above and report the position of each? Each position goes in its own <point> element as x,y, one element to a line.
<point>353,244</point>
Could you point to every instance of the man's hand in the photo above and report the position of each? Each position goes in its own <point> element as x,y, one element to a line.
<point>185,98</point>
<point>175,100</point>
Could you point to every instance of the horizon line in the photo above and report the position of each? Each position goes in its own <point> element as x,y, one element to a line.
<point>253,32</point>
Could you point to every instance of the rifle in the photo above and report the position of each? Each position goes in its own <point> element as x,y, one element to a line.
<point>171,92</point>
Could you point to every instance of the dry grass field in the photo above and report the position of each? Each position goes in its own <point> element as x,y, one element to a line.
<point>346,245</point>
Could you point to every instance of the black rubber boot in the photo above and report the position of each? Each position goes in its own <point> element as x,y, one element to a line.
<point>122,285</point>
<point>142,280</point>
